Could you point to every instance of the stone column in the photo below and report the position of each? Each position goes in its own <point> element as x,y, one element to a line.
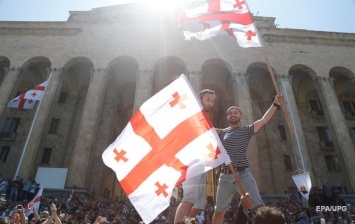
<point>35,137</point>
<point>143,89</point>
<point>78,172</point>
<point>195,78</point>
<point>344,147</point>
<point>11,75</point>
<point>244,102</point>
<point>299,145</point>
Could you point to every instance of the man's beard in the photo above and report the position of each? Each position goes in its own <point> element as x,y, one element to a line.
<point>207,109</point>
<point>234,121</point>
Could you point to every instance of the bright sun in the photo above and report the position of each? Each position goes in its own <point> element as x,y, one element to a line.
<point>163,5</point>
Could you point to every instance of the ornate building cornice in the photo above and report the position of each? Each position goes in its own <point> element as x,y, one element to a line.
<point>308,37</point>
<point>38,31</point>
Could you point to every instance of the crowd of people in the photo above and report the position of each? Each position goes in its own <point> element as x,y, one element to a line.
<point>229,207</point>
<point>18,189</point>
<point>81,208</point>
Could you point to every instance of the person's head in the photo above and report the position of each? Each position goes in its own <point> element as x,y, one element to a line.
<point>188,220</point>
<point>32,220</point>
<point>207,98</point>
<point>5,220</point>
<point>269,215</point>
<point>234,115</point>
<point>45,214</point>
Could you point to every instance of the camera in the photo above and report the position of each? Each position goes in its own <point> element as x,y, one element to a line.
<point>19,207</point>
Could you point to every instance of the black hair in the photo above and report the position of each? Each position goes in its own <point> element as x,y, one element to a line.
<point>205,91</point>
<point>269,215</point>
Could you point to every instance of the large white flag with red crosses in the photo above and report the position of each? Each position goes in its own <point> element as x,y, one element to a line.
<point>203,19</point>
<point>169,139</point>
<point>28,99</point>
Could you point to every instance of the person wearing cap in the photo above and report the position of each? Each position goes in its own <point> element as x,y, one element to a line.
<point>194,196</point>
<point>235,140</point>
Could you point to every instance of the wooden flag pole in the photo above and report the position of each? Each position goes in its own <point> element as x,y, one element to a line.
<point>278,93</point>
<point>242,191</point>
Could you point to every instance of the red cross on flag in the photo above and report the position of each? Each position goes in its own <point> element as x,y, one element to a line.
<point>36,202</point>
<point>28,99</point>
<point>21,103</point>
<point>36,93</point>
<point>169,139</point>
<point>204,19</point>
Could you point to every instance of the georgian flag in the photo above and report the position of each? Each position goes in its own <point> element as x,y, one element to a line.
<point>168,140</point>
<point>28,99</point>
<point>244,34</point>
<point>21,103</point>
<point>36,93</point>
<point>207,10</point>
<point>36,202</point>
<point>204,19</point>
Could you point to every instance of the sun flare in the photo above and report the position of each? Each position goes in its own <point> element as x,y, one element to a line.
<point>167,6</point>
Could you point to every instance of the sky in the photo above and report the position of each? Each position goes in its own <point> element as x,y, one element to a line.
<point>318,15</point>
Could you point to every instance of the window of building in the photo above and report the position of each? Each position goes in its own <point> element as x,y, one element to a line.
<point>325,137</point>
<point>9,128</point>
<point>332,162</point>
<point>63,97</point>
<point>287,163</point>
<point>282,133</point>
<point>4,152</point>
<point>54,126</point>
<point>46,155</point>
<point>316,107</point>
<point>353,132</point>
<point>349,107</point>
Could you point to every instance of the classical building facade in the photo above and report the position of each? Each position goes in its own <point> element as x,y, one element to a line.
<point>104,63</point>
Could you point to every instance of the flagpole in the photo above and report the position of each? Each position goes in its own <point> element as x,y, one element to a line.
<point>278,93</point>
<point>291,125</point>
<point>31,129</point>
<point>283,108</point>
<point>237,179</point>
<point>294,128</point>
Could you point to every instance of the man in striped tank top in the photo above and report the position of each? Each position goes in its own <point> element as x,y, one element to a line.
<point>235,140</point>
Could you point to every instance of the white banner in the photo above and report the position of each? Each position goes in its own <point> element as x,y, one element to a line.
<point>303,183</point>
